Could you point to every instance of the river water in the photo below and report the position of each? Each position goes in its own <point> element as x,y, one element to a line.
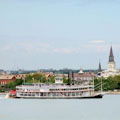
<point>107,108</point>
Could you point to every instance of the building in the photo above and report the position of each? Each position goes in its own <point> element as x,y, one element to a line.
<point>20,76</point>
<point>5,79</point>
<point>83,77</point>
<point>111,70</point>
<point>111,63</point>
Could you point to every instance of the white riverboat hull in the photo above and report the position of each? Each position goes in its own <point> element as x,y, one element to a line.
<point>59,97</point>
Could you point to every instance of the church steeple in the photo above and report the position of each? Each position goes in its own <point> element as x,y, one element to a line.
<point>100,68</point>
<point>111,56</point>
<point>111,63</point>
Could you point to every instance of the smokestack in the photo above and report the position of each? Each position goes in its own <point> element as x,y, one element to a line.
<point>72,77</point>
<point>69,80</point>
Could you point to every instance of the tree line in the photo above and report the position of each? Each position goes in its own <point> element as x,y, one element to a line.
<point>110,83</point>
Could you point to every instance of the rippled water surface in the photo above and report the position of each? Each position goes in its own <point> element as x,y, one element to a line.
<point>107,108</point>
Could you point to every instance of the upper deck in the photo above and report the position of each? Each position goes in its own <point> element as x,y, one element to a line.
<point>53,87</point>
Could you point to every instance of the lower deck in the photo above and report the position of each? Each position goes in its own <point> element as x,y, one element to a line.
<point>54,94</point>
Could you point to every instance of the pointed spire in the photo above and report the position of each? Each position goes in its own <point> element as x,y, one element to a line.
<point>111,56</point>
<point>111,52</point>
<point>100,68</point>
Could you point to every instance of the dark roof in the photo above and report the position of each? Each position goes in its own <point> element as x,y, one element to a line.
<point>111,56</point>
<point>84,75</point>
<point>100,68</point>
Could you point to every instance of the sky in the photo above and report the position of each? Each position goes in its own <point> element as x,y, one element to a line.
<point>37,34</point>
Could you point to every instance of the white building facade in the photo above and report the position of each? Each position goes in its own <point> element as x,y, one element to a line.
<point>111,71</point>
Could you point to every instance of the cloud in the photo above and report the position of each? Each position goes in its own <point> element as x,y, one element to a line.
<point>38,47</point>
<point>66,50</point>
<point>100,46</point>
<point>97,41</point>
<point>25,47</point>
<point>33,47</point>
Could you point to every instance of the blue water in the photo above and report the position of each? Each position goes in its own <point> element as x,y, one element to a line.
<point>107,108</point>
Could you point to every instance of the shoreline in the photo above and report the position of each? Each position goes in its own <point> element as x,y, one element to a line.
<point>4,93</point>
<point>113,93</point>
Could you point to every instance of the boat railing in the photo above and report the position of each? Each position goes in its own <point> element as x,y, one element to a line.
<point>53,87</point>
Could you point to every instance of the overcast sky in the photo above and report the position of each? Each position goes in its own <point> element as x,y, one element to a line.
<point>37,34</point>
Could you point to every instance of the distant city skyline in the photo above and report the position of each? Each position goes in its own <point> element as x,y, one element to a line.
<point>58,34</point>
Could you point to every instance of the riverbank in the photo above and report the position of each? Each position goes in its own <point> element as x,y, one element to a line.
<point>4,93</point>
<point>109,92</point>
<point>113,93</point>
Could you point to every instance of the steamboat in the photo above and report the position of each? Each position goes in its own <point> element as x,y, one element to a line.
<point>56,91</point>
